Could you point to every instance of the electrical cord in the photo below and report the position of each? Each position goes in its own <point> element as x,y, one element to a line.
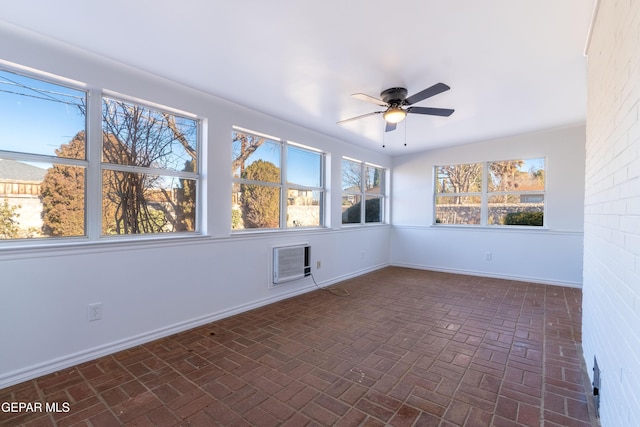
<point>339,292</point>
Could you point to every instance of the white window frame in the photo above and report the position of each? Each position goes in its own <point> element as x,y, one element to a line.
<point>484,194</point>
<point>284,185</point>
<point>94,167</point>
<point>362,192</point>
<point>195,176</point>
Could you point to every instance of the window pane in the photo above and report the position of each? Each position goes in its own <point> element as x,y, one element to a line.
<point>39,117</point>
<point>358,181</point>
<point>257,206</point>
<point>135,203</point>
<point>303,208</point>
<point>458,210</point>
<point>516,209</point>
<point>351,209</point>
<point>374,180</point>
<point>140,136</point>
<point>304,167</point>
<point>465,178</point>
<point>373,209</point>
<point>351,176</point>
<point>249,149</point>
<point>516,175</point>
<point>41,200</point>
<point>236,212</point>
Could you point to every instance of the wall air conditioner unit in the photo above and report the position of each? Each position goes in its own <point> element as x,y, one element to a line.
<point>291,263</point>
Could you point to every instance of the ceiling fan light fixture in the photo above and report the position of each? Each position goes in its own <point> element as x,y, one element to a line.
<point>395,98</point>
<point>394,115</point>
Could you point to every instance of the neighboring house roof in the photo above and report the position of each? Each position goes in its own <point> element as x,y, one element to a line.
<point>18,171</point>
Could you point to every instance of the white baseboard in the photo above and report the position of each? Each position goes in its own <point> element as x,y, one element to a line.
<point>344,277</point>
<point>539,280</point>
<point>35,371</point>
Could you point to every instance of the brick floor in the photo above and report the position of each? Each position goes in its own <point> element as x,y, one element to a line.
<point>405,348</point>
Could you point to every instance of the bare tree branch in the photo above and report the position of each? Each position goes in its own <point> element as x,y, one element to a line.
<point>248,144</point>
<point>171,122</point>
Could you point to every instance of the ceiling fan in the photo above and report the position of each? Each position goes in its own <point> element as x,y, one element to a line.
<point>395,98</point>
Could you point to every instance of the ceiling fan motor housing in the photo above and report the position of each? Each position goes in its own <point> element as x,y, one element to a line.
<point>394,95</point>
<point>395,100</point>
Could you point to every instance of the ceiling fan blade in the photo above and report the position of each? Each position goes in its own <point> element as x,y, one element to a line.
<point>390,126</point>
<point>359,117</point>
<point>444,112</point>
<point>369,98</point>
<point>427,93</point>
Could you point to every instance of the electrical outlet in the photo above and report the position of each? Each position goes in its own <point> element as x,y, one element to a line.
<point>488,256</point>
<point>95,311</point>
<point>318,265</point>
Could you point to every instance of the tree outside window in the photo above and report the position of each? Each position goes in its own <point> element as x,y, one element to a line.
<point>149,170</point>
<point>362,181</point>
<point>42,163</point>
<point>509,192</point>
<point>277,184</point>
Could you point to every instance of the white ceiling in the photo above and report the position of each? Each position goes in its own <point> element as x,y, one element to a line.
<point>513,66</point>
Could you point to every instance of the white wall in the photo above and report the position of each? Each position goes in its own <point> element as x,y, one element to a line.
<point>551,255</point>
<point>152,289</point>
<point>611,293</point>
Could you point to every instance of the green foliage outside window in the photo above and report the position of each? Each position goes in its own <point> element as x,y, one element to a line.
<point>9,228</point>
<point>260,203</point>
<point>505,192</point>
<point>524,218</point>
<point>371,212</point>
<point>62,193</point>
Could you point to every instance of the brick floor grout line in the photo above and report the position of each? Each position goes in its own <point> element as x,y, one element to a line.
<point>577,345</point>
<point>137,378</point>
<point>276,323</point>
<point>582,366</point>
<point>458,298</point>
<point>405,400</point>
<point>544,356</point>
<point>180,375</point>
<point>370,416</point>
<point>469,291</point>
<point>502,380</point>
<point>41,396</point>
<point>427,308</point>
<point>297,358</point>
<point>95,392</point>
<point>235,353</point>
<point>477,285</point>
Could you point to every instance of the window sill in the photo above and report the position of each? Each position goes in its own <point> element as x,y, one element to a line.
<point>31,248</point>
<point>511,229</point>
<point>254,231</point>
<point>366,224</point>
<point>491,227</point>
<point>27,248</point>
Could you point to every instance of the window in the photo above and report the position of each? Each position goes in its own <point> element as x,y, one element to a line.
<point>362,181</point>
<point>458,194</point>
<point>276,184</point>
<point>147,174</point>
<point>149,170</point>
<point>42,158</point>
<point>509,192</point>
